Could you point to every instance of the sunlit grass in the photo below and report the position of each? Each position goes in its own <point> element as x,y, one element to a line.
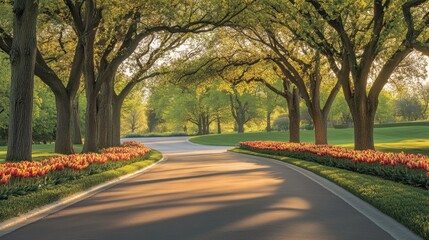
<point>40,151</point>
<point>414,139</point>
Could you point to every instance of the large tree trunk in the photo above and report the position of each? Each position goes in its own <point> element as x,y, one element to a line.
<point>91,137</point>
<point>294,117</point>
<point>116,124</point>
<point>77,135</point>
<point>63,143</point>
<point>320,126</point>
<point>240,125</point>
<point>363,120</point>
<point>92,16</point>
<point>23,59</point>
<point>105,126</point>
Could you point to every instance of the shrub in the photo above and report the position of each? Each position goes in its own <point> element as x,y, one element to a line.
<point>281,123</point>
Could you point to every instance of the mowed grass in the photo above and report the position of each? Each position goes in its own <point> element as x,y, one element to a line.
<point>40,151</point>
<point>413,139</point>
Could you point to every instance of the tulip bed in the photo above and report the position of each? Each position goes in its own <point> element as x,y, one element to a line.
<point>29,176</point>
<point>410,169</point>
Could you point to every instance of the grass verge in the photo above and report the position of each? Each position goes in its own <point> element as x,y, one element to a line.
<point>40,151</point>
<point>14,206</point>
<point>408,205</point>
<point>411,139</point>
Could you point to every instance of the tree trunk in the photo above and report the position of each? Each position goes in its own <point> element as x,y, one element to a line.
<point>63,142</point>
<point>116,124</point>
<point>268,127</point>
<point>294,117</point>
<point>219,130</point>
<point>363,120</point>
<point>91,137</point>
<point>240,125</point>
<point>320,126</point>
<point>23,59</point>
<point>105,126</point>
<point>77,136</point>
<point>207,124</point>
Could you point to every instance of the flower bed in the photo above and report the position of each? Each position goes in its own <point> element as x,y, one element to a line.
<point>406,168</point>
<point>27,176</point>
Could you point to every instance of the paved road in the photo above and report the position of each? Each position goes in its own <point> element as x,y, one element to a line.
<point>204,192</point>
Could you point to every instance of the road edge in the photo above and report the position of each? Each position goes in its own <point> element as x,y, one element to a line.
<point>383,221</point>
<point>34,215</point>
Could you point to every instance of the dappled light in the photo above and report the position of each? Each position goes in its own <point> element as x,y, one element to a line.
<point>135,119</point>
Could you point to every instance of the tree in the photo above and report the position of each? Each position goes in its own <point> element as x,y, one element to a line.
<point>4,96</point>
<point>133,114</point>
<point>270,101</point>
<point>23,60</point>
<point>386,108</point>
<point>143,65</point>
<point>409,108</point>
<point>52,62</point>
<point>136,25</point>
<point>415,38</point>
<point>299,64</point>
<point>44,124</point>
<point>243,108</point>
<point>354,36</point>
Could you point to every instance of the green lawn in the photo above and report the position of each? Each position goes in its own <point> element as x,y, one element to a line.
<point>40,151</point>
<point>407,138</point>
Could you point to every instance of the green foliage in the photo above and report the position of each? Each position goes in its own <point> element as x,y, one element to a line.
<point>44,113</point>
<point>386,108</point>
<point>281,123</point>
<point>4,96</point>
<point>15,206</point>
<point>409,108</point>
<point>407,204</point>
<point>132,115</point>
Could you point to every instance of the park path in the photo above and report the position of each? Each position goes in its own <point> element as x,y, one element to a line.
<point>204,192</point>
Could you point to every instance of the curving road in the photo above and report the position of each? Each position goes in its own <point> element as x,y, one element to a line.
<point>204,192</point>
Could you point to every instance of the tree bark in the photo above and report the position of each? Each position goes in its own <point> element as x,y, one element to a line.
<point>23,59</point>
<point>63,143</point>
<point>105,114</point>
<point>91,137</point>
<point>77,135</point>
<point>363,119</point>
<point>219,130</point>
<point>294,117</point>
<point>116,124</point>
<point>320,126</point>
<point>92,88</point>
<point>240,128</point>
<point>268,127</point>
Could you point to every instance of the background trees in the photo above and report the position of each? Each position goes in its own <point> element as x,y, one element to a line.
<point>211,67</point>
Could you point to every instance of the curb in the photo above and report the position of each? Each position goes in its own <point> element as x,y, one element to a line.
<point>197,144</point>
<point>383,221</point>
<point>34,215</point>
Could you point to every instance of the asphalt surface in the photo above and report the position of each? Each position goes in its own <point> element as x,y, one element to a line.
<point>203,192</point>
